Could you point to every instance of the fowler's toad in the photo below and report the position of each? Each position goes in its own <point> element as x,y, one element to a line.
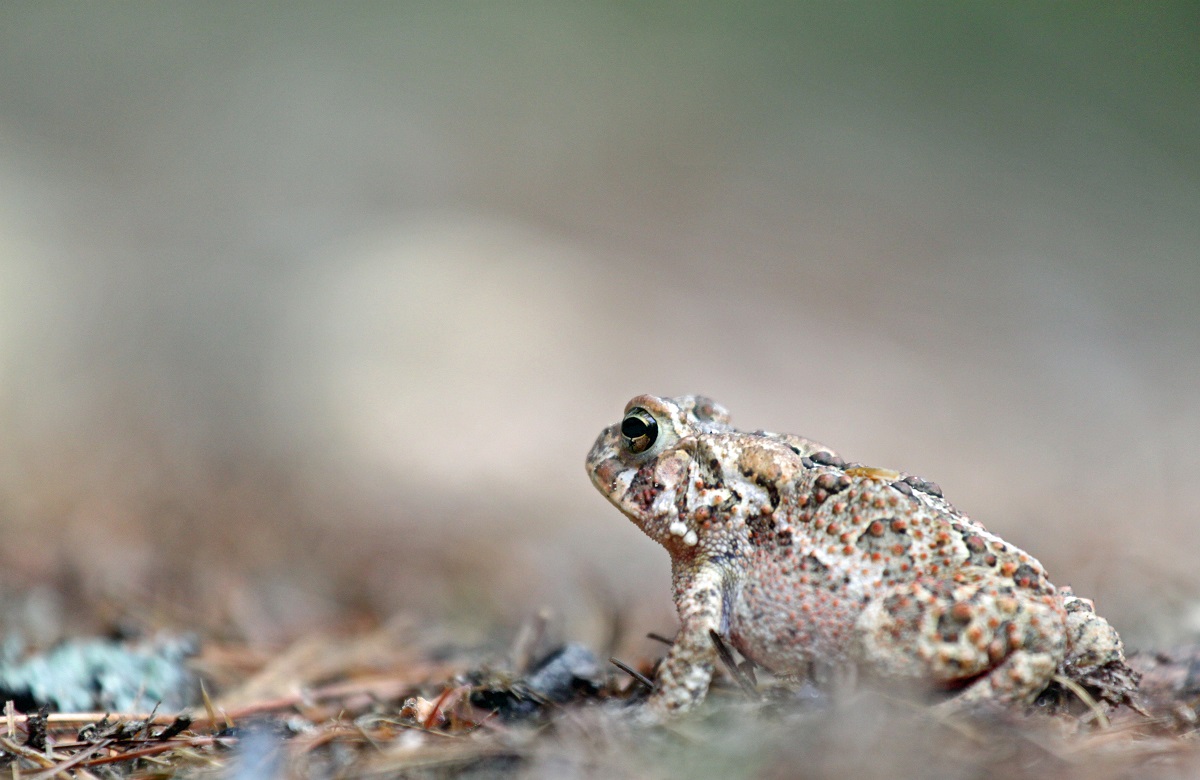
<point>797,558</point>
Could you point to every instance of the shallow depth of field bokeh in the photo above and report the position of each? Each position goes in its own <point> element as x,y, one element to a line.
<point>309,315</point>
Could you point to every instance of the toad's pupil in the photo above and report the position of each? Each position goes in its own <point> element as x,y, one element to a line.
<point>633,427</point>
<point>636,426</point>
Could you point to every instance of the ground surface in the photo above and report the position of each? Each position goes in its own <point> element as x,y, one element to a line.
<point>394,702</point>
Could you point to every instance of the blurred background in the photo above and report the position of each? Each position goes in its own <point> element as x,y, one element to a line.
<point>309,315</point>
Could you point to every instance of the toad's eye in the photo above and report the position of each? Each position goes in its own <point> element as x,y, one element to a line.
<point>639,429</point>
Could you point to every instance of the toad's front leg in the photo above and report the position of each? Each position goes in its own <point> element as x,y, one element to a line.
<point>684,676</point>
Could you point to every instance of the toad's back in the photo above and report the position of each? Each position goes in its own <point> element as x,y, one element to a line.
<point>814,540</point>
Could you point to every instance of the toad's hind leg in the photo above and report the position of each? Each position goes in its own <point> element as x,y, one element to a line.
<point>1001,643</point>
<point>1017,680</point>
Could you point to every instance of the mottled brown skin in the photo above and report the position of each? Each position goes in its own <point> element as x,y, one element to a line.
<point>797,559</point>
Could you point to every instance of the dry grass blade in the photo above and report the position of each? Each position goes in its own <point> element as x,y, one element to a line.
<point>209,709</point>
<point>731,665</point>
<point>634,673</point>
<point>1085,697</point>
<point>525,645</point>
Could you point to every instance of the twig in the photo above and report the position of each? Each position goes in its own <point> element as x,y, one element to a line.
<point>178,726</point>
<point>163,747</point>
<point>20,750</point>
<point>75,760</point>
